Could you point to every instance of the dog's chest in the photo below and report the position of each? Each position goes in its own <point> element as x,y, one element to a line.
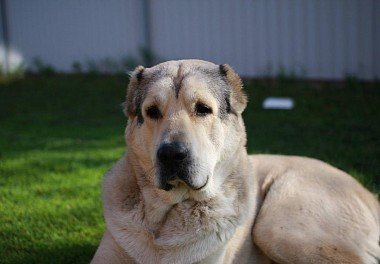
<point>184,233</point>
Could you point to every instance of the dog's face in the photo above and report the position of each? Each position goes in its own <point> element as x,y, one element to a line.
<point>185,124</point>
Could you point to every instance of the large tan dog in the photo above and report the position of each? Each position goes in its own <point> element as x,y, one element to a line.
<point>187,192</point>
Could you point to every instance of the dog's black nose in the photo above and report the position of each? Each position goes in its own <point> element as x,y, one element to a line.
<point>172,153</point>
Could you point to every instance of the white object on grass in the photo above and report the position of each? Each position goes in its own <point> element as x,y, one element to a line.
<point>278,103</point>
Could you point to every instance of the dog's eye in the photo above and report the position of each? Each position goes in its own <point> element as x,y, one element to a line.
<point>153,112</point>
<point>202,109</point>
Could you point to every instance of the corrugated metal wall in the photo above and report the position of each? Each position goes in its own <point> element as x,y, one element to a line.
<point>3,49</point>
<point>62,31</point>
<point>328,39</point>
<point>316,39</point>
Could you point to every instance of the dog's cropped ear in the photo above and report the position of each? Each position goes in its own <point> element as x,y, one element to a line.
<point>238,96</point>
<point>133,100</point>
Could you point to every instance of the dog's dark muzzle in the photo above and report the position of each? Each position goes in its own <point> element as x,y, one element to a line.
<point>174,162</point>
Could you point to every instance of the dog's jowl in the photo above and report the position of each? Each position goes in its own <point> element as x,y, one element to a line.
<point>186,191</point>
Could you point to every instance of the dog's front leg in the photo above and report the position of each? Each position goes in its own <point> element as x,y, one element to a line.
<point>110,252</point>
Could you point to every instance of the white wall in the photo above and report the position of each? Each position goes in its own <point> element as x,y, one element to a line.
<point>326,39</point>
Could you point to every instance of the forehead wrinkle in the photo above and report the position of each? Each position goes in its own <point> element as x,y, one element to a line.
<point>190,80</point>
<point>178,79</point>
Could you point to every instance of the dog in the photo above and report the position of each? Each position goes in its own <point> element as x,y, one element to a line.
<point>188,192</point>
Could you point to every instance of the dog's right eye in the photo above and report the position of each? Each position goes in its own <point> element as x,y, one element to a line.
<point>202,109</point>
<point>153,112</point>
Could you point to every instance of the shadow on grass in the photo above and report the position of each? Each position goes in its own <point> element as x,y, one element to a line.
<point>64,253</point>
<point>333,123</point>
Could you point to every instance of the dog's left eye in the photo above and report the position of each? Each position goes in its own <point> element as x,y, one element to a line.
<point>153,112</point>
<point>202,109</point>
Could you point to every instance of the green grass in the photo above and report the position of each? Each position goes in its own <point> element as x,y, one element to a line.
<point>58,135</point>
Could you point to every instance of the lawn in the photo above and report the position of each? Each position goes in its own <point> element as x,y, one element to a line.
<point>59,134</point>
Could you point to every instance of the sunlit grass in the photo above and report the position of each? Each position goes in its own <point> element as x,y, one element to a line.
<point>58,136</point>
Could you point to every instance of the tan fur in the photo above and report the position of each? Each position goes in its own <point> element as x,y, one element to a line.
<point>296,210</point>
<point>313,209</point>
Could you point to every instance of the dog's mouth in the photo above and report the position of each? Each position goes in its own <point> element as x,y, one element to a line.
<point>172,184</point>
<point>200,188</point>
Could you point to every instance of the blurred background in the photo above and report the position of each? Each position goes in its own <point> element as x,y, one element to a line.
<point>315,39</point>
<point>63,77</point>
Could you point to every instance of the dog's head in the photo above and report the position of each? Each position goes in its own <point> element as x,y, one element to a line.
<point>185,124</point>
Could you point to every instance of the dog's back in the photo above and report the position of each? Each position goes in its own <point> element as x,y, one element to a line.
<point>313,212</point>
